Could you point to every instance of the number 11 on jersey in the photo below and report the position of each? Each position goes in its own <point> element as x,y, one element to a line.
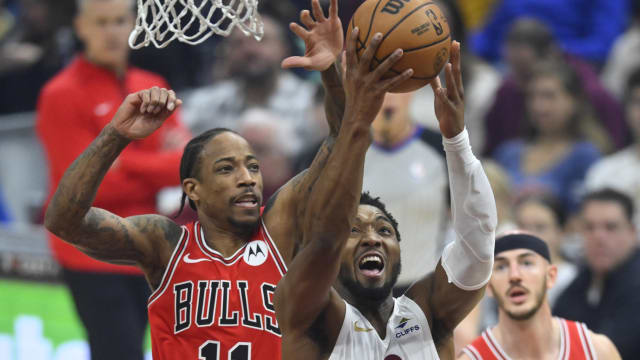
<point>210,350</point>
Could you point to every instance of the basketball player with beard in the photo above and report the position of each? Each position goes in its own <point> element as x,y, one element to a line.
<point>335,302</point>
<point>522,275</point>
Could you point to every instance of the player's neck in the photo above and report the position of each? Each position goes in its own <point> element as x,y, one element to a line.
<point>117,69</point>
<point>378,313</point>
<point>392,135</point>
<point>223,240</point>
<point>531,338</point>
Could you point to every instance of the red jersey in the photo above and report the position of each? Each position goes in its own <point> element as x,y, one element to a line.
<point>575,344</point>
<point>209,307</point>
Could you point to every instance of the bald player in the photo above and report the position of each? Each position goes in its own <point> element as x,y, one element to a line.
<point>522,275</point>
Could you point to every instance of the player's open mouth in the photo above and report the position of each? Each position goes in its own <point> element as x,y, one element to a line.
<point>371,264</point>
<point>247,201</point>
<point>517,295</point>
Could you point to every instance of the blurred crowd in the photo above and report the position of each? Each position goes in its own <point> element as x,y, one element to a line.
<point>552,94</point>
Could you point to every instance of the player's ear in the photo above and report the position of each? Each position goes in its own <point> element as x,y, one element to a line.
<point>191,187</point>
<point>552,275</point>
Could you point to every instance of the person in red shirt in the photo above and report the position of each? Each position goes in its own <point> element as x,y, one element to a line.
<point>213,280</point>
<point>72,109</point>
<point>522,275</point>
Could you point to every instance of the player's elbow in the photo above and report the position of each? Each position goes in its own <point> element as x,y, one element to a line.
<point>58,224</point>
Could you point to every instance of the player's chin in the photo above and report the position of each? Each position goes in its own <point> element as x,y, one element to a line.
<point>247,220</point>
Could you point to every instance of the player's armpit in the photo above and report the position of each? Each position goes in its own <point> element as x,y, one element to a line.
<point>604,347</point>
<point>146,240</point>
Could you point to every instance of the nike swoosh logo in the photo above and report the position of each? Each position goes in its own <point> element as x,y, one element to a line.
<point>188,260</point>
<point>360,329</point>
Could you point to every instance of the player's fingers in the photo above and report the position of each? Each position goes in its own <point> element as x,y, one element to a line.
<point>146,99</point>
<point>318,14</point>
<point>388,63</point>
<point>452,88</point>
<point>155,100</point>
<point>369,52</point>
<point>171,100</point>
<point>333,9</point>
<point>389,84</point>
<point>435,84</point>
<point>301,32</point>
<point>162,100</point>
<point>305,18</point>
<point>457,67</point>
<point>295,62</point>
<point>352,60</point>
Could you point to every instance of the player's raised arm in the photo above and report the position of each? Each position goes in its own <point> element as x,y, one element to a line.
<point>323,45</point>
<point>143,240</point>
<point>447,295</point>
<point>306,289</point>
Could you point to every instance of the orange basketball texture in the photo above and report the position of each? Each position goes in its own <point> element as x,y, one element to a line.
<point>418,27</point>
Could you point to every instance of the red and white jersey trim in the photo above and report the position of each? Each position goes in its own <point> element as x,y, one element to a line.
<point>282,267</point>
<point>171,267</point>
<point>492,349</point>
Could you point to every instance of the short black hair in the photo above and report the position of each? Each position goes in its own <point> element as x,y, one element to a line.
<point>190,162</point>
<point>609,194</point>
<point>367,199</point>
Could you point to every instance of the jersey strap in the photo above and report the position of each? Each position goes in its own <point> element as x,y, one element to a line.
<point>282,267</point>
<point>581,347</point>
<point>171,266</point>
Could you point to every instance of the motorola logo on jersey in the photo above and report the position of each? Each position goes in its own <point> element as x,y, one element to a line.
<point>207,303</point>
<point>256,253</point>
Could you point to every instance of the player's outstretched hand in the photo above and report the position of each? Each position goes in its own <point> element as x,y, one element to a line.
<point>322,38</point>
<point>143,112</point>
<point>365,88</point>
<point>449,101</point>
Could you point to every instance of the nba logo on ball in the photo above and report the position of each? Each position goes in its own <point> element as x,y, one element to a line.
<point>255,253</point>
<point>418,27</point>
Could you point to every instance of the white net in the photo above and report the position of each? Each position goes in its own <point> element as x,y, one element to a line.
<point>160,22</point>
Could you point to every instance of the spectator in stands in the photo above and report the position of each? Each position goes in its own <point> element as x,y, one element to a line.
<point>481,81</point>
<point>606,293</point>
<point>624,59</point>
<point>528,43</point>
<point>405,165</point>
<point>585,28</point>
<point>72,109</point>
<point>274,144</point>
<point>252,77</point>
<point>32,49</point>
<point>555,155</point>
<point>543,215</point>
<point>621,170</point>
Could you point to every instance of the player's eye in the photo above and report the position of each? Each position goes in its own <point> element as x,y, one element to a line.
<point>355,230</point>
<point>225,169</point>
<point>385,231</point>
<point>254,167</point>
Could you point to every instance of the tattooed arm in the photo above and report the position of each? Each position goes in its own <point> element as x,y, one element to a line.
<point>323,42</point>
<point>147,240</point>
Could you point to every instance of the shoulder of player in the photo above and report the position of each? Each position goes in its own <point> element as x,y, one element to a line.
<point>157,228</point>
<point>603,346</point>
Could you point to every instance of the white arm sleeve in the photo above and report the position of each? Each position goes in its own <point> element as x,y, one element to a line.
<point>468,260</point>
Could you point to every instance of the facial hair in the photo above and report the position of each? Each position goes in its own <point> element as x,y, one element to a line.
<point>527,315</point>
<point>377,294</point>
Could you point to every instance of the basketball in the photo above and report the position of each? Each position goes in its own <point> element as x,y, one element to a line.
<point>418,27</point>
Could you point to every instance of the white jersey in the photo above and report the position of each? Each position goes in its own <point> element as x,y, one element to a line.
<point>408,336</point>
